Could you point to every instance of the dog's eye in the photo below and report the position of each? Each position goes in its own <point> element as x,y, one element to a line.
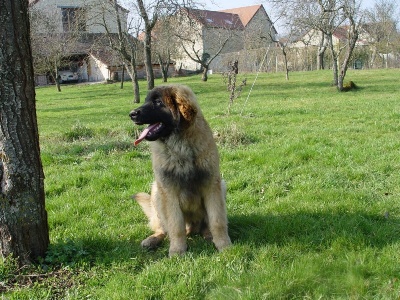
<point>158,103</point>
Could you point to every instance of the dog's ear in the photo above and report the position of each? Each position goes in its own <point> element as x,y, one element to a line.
<point>168,97</point>
<point>181,101</point>
<point>185,102</point>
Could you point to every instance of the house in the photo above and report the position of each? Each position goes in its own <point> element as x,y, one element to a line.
<point>313,38</point>
<point>83,15</point>
<point>110,67</point>
<point>84,20</point>
<point>258,26</point>
<point>307,44</point>
<point>204,32</point>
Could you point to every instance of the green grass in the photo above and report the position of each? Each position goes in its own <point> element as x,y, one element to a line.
<point>313,194</point>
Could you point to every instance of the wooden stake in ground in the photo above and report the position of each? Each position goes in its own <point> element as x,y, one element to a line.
<point>231,84</point>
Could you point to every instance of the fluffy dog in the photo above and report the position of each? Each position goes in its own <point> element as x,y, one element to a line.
<point>188,194</point>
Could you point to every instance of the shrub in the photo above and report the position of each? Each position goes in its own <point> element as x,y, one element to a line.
<point>79,132</point>
<point>232,136</point>
<point>349,86</point>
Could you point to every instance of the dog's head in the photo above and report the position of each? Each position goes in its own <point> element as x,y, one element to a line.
<point>167,109</point>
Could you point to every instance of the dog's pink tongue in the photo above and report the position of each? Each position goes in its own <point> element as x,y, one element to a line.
<point>144,133</point>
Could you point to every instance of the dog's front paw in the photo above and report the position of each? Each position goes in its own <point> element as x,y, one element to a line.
<point>152,242</point>
<point>222,244</point>
<point>173,251</point>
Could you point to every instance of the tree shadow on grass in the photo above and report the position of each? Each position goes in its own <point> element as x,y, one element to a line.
<point>315,230</point>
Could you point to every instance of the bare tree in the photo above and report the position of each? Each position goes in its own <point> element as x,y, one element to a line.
<point>194,26</point>
<point>150,17</point>
<point>350,11</point>
<point>323,45</point>
<point>24,232</point>
<point>150,12</point>
<point>202,58</point>
<point>283,44</point>
<point>381,25</point>
<point>319,16</point>
<point>165,44</point>
<point>124,44</point>
<point>323,16</point>
<point>327,17</point>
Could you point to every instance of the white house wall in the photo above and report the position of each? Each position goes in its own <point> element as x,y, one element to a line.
<point>182,60</point>
<point>98,71</point>
<point>99,10</point>
<point>83,72</point>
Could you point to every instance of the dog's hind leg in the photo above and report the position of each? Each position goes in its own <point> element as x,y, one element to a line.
<point>153,241</point>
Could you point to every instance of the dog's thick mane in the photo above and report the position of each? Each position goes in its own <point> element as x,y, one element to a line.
<point>184,146</point>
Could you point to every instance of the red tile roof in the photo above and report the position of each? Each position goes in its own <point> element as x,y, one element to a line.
<point>217,19</point>
<point>245,13</point>
<point>341,32</point>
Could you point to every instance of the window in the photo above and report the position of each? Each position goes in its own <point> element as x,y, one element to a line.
<point>73,19</point>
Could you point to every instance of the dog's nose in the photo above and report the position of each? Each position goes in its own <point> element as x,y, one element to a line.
<point>134,113</point>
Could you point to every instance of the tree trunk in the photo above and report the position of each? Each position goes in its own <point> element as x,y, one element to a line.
<point>122,76</point>
<point>335,67</point>
<point>147,62</point>
<point>320,61</point>
<point>148,24</point>
<point>353,37</point>
<point>373,56</point>
<point>57,79</point>
<point>135,86</point>
<point>135,83</point>
<point>286,63</point>
<point>204,75</point>
<point>340,82</point>
<point>321,52</point>
<point>164,65</point>
<point>24,231</point>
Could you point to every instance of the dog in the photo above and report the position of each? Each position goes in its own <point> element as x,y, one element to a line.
<point>188,194</point>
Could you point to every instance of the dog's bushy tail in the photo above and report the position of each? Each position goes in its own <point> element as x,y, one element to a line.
<point>144,201</point>
<point>147,206</point>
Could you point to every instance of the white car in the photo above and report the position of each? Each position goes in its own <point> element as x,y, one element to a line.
<point>68,76</point>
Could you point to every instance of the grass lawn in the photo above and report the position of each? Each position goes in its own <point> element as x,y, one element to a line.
<point>313,194</point>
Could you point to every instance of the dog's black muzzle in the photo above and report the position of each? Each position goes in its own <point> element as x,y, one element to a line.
<point>134,114</point>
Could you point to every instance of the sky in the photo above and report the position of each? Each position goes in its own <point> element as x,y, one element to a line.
<point>226,4</point>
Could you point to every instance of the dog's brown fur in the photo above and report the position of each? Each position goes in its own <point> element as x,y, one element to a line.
<point>188,194</point>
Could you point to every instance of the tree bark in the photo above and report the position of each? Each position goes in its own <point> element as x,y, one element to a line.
<point>321,52</point>
<point>286,63</point>
<point>24,230</point>
<point>204,76</point>
<point>149,25</point>
<point>135,82</point>
<point>164,65</point>
<point>122,76</point>
<point>335,68</point>
<point>351,43</point>
<point>148,64</point>
<point>127,48</point>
